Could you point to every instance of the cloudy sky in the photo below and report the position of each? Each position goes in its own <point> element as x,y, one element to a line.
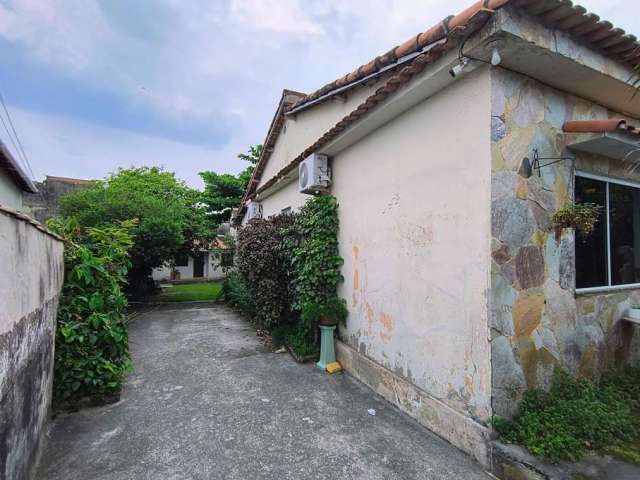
<point>93,85</point>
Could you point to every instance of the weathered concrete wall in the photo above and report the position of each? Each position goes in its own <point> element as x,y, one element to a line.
<point>537,319</point>
<point>10,193</point>
<point>46,203</point>
<point>32,275</point>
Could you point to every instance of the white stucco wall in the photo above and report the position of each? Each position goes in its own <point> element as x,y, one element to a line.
<point>211,271</point>
<point>415,236</point>
<point>414,233</point>
<point>286,197</point>
<point>10,193</point>
<point>307,126</point>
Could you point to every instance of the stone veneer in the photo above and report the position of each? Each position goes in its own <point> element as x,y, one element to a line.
<point>537,320</point>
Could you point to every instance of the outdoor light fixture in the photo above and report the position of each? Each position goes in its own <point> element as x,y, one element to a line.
<point>495,57</point>
<point>527,166</point>
<point>457,70</point>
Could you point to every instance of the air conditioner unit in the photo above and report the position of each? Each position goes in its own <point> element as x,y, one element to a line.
<point>314,174</point>
<point>254,210</point>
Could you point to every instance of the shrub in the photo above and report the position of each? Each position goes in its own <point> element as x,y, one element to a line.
<point>581,216</point>
<point>574,416</point>
<point>264,268</point>
<point>291,268</point>
<point>237,294</point>
<point>91,354</point>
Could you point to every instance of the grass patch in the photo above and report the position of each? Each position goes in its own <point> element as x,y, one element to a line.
<point>191,292</point>
<point>576,416</point>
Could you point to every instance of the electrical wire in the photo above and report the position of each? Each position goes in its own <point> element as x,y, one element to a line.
<point>20,149</point>
<point>15,146</point>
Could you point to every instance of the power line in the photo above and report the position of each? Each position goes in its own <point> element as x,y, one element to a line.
<point>15,146</point>
<point>21,149</point>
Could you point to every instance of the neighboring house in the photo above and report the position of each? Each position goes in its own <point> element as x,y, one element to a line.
<point>14,182</point>
<point>46,202</point>
<point>32,272</point>
<point>460,294</point>
<point>206,265</point>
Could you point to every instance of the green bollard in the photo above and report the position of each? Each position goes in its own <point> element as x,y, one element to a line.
<point>327,351</point>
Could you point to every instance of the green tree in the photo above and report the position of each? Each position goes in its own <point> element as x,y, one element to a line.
<point>163,205</point>
<point>224,191</point>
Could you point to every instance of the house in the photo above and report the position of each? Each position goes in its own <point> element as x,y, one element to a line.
<point>14,182</point>
<point>205,265</point>
<point>449,156</point>
<point>45,203</point>
<point>32,272</point>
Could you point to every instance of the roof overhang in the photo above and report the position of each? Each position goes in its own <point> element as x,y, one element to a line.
<point>17,174</point>
<point>617,145</point>
<point>543,50</point>
<point>558,59</point>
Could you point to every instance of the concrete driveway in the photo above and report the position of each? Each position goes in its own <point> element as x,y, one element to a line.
<point>207,401</point>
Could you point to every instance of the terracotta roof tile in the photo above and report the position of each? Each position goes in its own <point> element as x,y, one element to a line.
<point>77,181</point>
<point>560,14</point>
<point>430,45</point>
<point>609,125</point>
<point>288,98</point>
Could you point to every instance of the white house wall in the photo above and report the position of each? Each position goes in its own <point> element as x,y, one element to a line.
<point>414,282</point>
<point>10,194</point>
<point>210,271</point>
<point>414,233</point>
<point>304,128</point>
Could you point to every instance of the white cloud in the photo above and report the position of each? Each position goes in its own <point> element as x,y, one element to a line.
<point>281,16</point>
<point>58,146</point>
<point>202,62</point>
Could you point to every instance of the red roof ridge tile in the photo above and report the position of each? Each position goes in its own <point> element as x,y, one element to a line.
<point>608,125</point>
<point>69,179</point>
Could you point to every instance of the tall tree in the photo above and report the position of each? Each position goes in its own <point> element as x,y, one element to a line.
<point>223,191</point>
<point>164,206</point>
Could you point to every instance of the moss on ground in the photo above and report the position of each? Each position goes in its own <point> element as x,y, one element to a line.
<point>625,451</point>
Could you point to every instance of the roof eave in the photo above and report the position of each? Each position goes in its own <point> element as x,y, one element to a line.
<point>17,174</point>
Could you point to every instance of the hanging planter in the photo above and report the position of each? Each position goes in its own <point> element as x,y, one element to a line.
<point>582,217</point>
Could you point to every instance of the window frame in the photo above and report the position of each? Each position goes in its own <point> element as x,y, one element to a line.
<point>607,180</point>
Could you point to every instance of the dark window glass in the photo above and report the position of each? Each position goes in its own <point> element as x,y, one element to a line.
<point>591,252</point>
<point>624,227</point>
<point>182,260</point>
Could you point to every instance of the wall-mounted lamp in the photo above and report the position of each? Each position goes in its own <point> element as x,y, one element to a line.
<point>496,59</point>
<point>527,166</point>
<point>458,69</point>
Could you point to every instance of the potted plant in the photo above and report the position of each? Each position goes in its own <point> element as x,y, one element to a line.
<point>582,217</point>
<point>634,311</point>
<point>327,315</point>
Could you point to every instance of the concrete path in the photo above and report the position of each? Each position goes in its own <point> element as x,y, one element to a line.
<point>207,401</point>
